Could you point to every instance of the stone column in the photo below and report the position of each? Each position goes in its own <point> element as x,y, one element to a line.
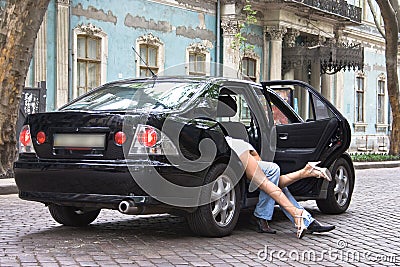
<point>316,66</point>
<point>266,56</point>
<point>276,34</point>
<point>62,33</point>
<point>231,56</point>
<point>339,103</point>
<point>40,54</point>
<point>316,75</point>
<point>326,86</point>
<point>290,41</point>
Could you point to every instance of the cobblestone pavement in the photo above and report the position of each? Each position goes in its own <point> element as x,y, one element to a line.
<point>367,235</point>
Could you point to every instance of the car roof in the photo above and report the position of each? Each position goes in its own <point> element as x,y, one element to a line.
<point>199,79</point>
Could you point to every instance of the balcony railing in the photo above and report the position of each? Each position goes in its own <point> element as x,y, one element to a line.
<point>336,7</point>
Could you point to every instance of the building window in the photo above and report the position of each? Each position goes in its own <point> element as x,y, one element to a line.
<point>90,60</point>
<point>197,64</point>
<point>151,51</point>
<point>360,99</point>
<point>249,68</point>
<point>197,59</point>
<point>89,63</point>
<point>149,54</point>
<point>381,101</point>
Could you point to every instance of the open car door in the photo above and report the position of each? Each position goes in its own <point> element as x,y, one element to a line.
<point>309,127</point>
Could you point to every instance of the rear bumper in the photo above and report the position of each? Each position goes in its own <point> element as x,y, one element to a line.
<point>96,184</point>
<point>87,200</point>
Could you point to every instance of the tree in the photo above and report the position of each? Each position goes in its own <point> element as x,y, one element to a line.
<point>390,13</point>
<point>240,42</point>
<point>20,22</point>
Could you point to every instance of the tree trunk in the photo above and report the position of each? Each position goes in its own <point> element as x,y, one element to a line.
<point>391,53</point>
<point>20,22</point>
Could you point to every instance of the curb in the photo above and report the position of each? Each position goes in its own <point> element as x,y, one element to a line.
<point>376,165</point>
<point>8,186</point>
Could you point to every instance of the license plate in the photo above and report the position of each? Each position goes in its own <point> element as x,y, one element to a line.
<point>95,141</point>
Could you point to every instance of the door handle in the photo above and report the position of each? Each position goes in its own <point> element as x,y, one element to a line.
<point>283,136</point>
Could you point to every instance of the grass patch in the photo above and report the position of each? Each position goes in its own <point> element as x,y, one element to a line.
<point>373,157</point>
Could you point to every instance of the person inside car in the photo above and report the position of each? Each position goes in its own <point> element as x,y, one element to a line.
<point>273,188</point>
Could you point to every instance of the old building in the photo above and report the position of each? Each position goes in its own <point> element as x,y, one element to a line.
<point>332,44</point>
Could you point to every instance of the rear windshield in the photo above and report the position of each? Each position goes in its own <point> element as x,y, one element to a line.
<point>146,96</point>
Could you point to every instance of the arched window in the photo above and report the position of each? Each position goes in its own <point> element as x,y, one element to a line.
<point>90,50</point>
<point>149,55</point>
<point>198,59</point>
<point>151,51</point>
<point>250,62</point>
<point>249,68</point>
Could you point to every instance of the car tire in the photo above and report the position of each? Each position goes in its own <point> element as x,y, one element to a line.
<point>218,218</point>
<point>72,216</point>
<point>340,189</point>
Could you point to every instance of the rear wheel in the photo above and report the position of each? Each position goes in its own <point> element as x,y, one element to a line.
<point>72,216</point>
<point>219,217</point>
<point>340,189</point>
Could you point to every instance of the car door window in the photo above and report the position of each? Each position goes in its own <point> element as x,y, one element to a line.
<point>302,103</point>
<point>321,110</point>
<point>244,114</point>
<point>279,116</point>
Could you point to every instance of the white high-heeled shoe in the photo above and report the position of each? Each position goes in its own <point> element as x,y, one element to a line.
<point>301,227</point>
<point>324,172</point>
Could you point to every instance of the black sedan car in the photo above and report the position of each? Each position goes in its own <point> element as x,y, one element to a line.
<point>158,145</point>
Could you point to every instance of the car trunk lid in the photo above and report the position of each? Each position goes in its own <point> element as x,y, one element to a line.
<point>77,135</point>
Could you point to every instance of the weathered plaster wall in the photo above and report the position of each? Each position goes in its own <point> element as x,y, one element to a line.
<point>94,13</point>
<point>254,36</point>
<point>126,20</point>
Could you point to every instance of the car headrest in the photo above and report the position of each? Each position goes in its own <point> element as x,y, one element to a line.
<point>227,106</point>
<point>235,130</point>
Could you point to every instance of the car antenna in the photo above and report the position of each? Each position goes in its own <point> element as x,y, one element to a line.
<point>147,66</point>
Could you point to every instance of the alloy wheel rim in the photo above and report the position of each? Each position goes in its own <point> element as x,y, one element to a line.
<point>223,200</point>
<point>342,187</point>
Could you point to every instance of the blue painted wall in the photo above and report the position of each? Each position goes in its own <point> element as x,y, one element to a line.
<point>373,62</point>
<point>121,38</point>
<point>51,56</point>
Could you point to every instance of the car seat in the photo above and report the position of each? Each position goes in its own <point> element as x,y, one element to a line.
<point>227,108</point>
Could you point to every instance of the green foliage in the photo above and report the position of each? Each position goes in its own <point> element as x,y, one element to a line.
<point>240,42</point>
<point>373,157</point>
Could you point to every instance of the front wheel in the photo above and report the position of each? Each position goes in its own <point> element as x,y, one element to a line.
<point>340,189</point>
<point>219,217</point>
<point>72,216</point>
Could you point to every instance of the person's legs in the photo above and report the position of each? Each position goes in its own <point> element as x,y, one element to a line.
<point>288,179</point>
<point>308,171</point>
<point>265,205</point>
<point>257,176</point>
<point>308,219</point>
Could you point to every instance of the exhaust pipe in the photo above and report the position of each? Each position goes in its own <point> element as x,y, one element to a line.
<point>129,207</point>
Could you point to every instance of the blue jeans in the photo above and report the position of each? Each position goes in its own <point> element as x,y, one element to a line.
<point>265,205</point>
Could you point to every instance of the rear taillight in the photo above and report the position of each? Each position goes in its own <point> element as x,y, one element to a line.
<point>147,136</point>
<point>41,137</point>
<point>151,141</point>
<point>120,138</point>
<point>25,140</point>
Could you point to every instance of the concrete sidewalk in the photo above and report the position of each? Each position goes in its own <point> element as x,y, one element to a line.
<point>8,186</point>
